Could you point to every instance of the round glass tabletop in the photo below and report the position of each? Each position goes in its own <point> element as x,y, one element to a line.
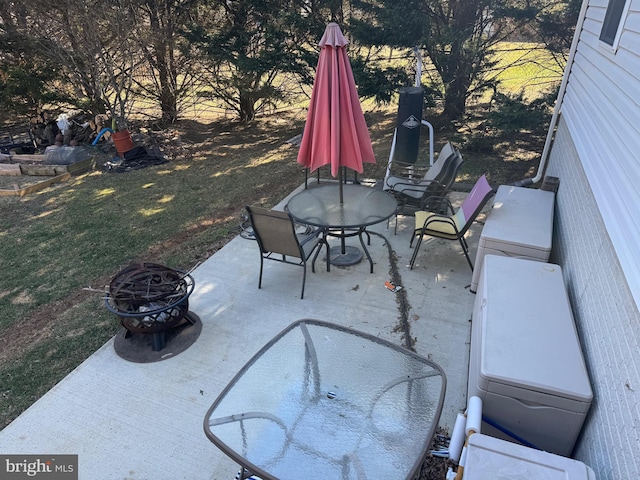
<point>362,206</point>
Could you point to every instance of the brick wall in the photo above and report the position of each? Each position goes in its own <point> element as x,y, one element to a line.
<point>607,319</point>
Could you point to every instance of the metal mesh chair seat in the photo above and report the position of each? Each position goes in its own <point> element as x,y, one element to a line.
<point>278,240</point>
<point>454,225</point>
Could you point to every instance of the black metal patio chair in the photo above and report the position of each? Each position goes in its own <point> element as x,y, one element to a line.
<point>277,238</point>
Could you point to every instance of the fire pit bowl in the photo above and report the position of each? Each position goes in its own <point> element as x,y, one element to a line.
<point>150,299</point>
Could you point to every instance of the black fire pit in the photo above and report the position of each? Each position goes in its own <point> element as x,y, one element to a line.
<point>152,303</point>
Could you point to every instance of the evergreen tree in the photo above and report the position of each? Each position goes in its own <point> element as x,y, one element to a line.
<point>256,51</point>
<point>27,78</point>
<point>458,37</point>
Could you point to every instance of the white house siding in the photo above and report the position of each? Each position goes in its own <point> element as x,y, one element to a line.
<point>606,316</point>
<point>601,108</point>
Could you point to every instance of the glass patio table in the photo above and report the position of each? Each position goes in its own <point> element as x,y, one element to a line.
<point>322,401</point>
<point>361,207</point>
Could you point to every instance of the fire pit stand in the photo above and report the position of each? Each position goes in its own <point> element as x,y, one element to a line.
<point>152,300</point>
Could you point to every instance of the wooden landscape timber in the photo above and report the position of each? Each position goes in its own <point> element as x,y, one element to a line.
<point>40,175</point>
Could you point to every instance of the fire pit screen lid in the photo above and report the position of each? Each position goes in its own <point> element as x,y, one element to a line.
<point>144,284</point>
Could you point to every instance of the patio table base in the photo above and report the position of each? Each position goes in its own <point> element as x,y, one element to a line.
<point>346,255</point>
<point>351,256</point>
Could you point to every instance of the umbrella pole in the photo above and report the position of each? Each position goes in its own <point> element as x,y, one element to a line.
<point>343,248</point>
<point>342,255</point>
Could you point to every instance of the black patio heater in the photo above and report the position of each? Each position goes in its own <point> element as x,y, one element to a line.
<point>408,124</point>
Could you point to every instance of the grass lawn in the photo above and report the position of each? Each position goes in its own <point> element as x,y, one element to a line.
<point>526,67</point>
<point>78,234</point>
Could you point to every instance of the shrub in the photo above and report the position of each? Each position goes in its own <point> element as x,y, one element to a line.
<point>480,142</point>
<point>512,113</point>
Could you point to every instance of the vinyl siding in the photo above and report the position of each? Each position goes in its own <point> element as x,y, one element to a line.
<point>601,108</point>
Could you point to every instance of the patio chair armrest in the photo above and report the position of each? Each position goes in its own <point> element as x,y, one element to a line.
<point>438,218</point>
<point>312,236</point>
<point>408,170</point>
<point>408,184</point>
<point>406,165</point>
<point>437,198</point>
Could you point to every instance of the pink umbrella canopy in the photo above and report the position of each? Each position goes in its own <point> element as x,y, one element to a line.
<point>335,132</point>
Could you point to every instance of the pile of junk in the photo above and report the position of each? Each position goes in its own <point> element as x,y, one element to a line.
<point>75,136</point>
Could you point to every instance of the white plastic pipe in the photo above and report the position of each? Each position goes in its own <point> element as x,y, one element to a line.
<point>556,110</point>
<point>474,416</point>
<point>430,127</point>
<point>457,438</point>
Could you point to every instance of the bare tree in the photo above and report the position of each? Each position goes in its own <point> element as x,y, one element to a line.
<point>170,71</point>
<point>91,44</point>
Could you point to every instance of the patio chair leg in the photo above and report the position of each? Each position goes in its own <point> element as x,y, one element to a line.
<point>465,250</point>
<point>304,278</point>
<point>315,257</point>
<point>398,210</point>
<point>326,242</point>
<point>415,253</point>
<point>260,277</point>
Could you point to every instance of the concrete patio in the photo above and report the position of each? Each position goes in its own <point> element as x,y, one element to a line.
<point>144,420</point>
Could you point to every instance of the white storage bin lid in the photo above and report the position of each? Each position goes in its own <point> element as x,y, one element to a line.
<point>528,337</point>
<point>489,458</point>
<point>520,217</point>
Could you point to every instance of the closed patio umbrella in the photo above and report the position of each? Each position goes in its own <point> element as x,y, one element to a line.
<point>335,131</point>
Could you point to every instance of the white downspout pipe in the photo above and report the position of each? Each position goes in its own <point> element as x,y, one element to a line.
<point>556,110</point>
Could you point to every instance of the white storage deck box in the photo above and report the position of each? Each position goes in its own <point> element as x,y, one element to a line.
<point>520,224</point>
<point>489,458</point>
<point>526,362</point>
